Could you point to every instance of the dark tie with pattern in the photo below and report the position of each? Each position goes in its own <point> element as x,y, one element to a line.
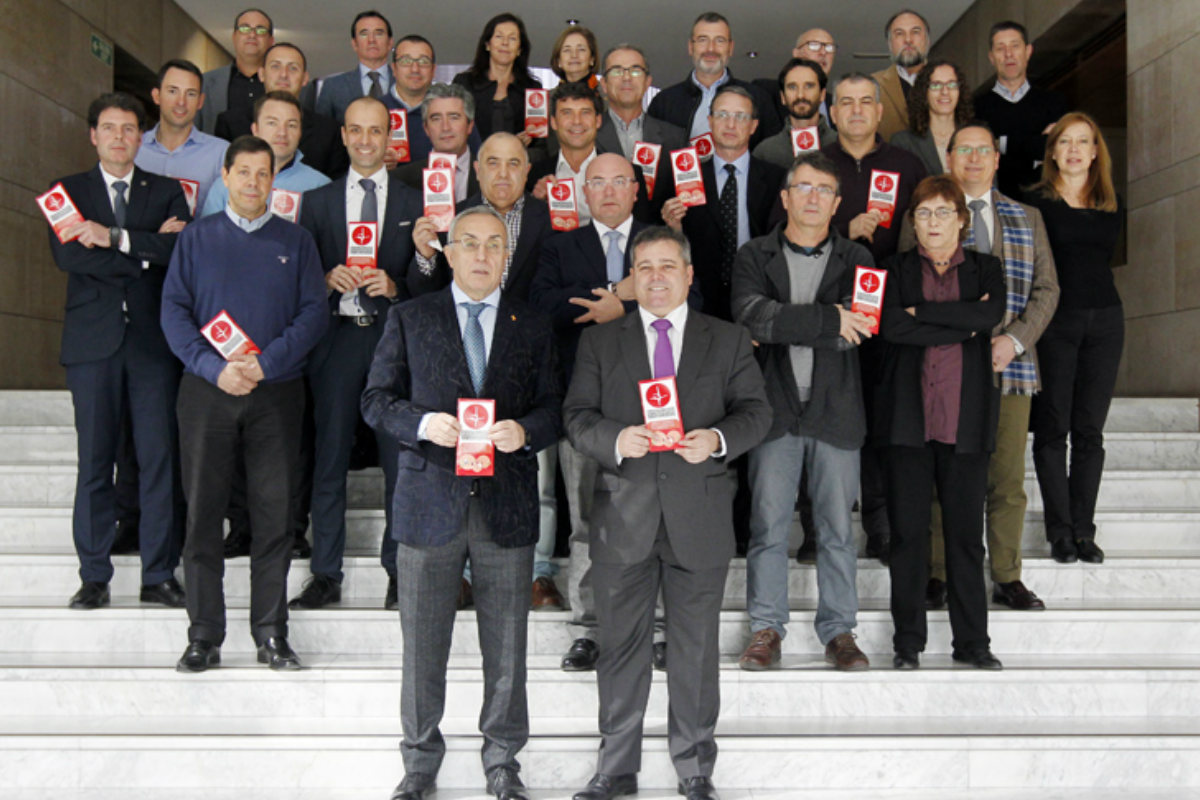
<point>473,344</point>
<point>119,206</point>
<point>376,89</point>
<point>729,222</point>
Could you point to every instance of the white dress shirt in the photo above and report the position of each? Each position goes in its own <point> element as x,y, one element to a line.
<point>563,170</point>
<point>350,305</point>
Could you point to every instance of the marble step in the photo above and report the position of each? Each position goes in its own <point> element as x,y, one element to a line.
<point>347,687</point>
<point>55,444</point>
<point>1134,529</point>
<point>861,755</point>
<point>645,793</point>
<point>1082,628</point>
<point>51,577</point>
<point>54,485</point>
<point>1179,414</point>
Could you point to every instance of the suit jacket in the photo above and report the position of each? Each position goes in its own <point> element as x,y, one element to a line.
<point>923,147</point>
<point>644,209</point>
<point>215,86</point>
<point>413,175</point>
<point>340,90</point>
<point>323,213</point>
<point>899,405</point>
<point>719,386</point>
<point>106,289</point>
<point>895,107</point>
<point>420,366</point>
<point>679,104</point>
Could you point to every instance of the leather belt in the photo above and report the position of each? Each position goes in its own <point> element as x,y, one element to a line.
<point>364,321</point>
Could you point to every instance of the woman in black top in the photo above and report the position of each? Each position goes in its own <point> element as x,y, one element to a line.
<point>1081,349</point>
<point>499,76</point>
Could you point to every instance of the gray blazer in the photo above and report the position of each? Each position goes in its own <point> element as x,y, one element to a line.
<point>720,386</point>
<point>216,97</point>
<point>920,146</point>
<point>340,90</point>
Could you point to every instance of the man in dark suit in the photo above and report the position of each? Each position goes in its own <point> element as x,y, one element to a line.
<point>358,301</point>
<point>371,39</point>
<point>447,119</point>
<point>237,85</point>
<point>662,518</point>
<point>469,340</point>
<point>626,78</point>
<point>742,198</point>
<point>115,353</point>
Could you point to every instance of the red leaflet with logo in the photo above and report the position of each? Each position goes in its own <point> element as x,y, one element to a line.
<point>225,335</point>
<point>537,113</point>
<point>285,204</point>
<point>868,293</point>
<point>398,134</point>
<point>362,245</point>
<point>564,213</point>
<point>436,160</point>
<point>60,210</point>
<point>805,139</point>
<point>689,186</point>
<point>475,455</point>
<point>439,197</point>
<point>704,146</point>
<point>660,409</point>
<point>646,155</point>
<point>885,186</point>
<point>191,191</point>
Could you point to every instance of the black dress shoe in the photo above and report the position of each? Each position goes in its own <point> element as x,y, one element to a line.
<point>91,595</point>
<point>126,542</point>
<point>318,592</point>
<point>505,784</point>
<point>168,593</point>
<point>878,546</point>
<point>906,660</point>
<point>414,787</point>
<point>300,547</point>
<point>1089,551</point>
<point>1016,596</point>
<point>605,787</point>
<point>391,600</point>
<point>581,657</point>
<point>199,656</point>
<point>659,659</point>
<point>807,554</point>
<point>980,659</point>
<point>1064,551</point>
<point>277,654</point>
<point>237,543</point>
<point>698,788</point>
<point>935,594</point>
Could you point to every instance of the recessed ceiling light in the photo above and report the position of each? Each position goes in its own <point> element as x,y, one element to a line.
<point>572,22</point>
<point>751,54</point>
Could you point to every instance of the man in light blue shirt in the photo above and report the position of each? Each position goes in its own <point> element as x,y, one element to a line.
<point>175,147</point>
<point>277,119</point>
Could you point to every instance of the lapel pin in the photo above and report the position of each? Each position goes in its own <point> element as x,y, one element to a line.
<point>143,183</point>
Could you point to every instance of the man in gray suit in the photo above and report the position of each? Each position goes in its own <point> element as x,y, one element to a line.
<point>626,78</point>
<point>371,39</point>
<point>238,85</point>
<point>662,518</point>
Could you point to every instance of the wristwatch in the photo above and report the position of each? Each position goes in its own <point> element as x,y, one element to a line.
<point>114,237</point>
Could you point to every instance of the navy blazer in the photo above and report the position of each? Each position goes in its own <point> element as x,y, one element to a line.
<point>420,366</point>
<point>340,90</point>
<point>107,288</point>
<point>323,213</point>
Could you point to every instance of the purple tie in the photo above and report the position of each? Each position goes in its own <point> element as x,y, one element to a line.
<point>664,362</point>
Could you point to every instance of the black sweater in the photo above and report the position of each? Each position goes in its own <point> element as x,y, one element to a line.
<point>1022,122</point>
<point>1083,241</point>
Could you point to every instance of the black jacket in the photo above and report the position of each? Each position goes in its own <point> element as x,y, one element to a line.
<point>680,103</point>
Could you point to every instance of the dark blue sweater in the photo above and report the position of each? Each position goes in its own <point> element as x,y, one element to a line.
<point>270,282</point>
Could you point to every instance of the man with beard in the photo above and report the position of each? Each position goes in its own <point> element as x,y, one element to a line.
<point>802,92</point>
<point>907,35</point>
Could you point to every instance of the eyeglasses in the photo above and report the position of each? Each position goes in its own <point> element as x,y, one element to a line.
<point>817,47</point>
<point>826,192</point>
<point>937,86</point>
<point>259,30</point>
<point>943,213</point>
<point>470,245</point>
<point>625,72</point>
<point>983,150</point>
<point>597,184</point>
<point>424,62</point>
<point>740,117</point>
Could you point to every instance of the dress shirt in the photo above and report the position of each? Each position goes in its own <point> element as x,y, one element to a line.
<point>487,321</point>
<point>906,76</point>
<point>248,225</point>
<point>385,78</point>
<point>462,171</point>
<point>623,230</point>
<point>628,132</point>
<point>941,371</point>
<point>563,170</point>
<point>349,305</point>
<point>707,95</point>
<point>198,159</point>
<point>109,180</point>
<point>295,177</point>
<point>742,166</point>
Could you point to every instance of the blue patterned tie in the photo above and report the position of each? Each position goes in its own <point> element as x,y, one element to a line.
<point>473,344</point>
<point>614,258</point>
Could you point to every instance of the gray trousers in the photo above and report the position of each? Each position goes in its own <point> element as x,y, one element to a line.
<point>625,600</point>
<point>429,580</point>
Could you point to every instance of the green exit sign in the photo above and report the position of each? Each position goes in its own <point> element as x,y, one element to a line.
<point>103,50</point>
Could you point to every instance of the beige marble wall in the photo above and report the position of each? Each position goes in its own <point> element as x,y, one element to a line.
<point>48,76</point>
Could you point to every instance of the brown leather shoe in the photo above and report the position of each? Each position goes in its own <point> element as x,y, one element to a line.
<point>844,654</point>
<point>1016,596</point>
<point>466,598</point>
<point>546,596</point>
<point>763,652</point>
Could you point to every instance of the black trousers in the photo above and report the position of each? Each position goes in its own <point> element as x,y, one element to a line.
<point>1078,355</point>
<point>216,430</point>
<point>961,482</point>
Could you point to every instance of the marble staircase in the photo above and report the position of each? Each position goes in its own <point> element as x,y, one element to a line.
<point>1100,697</point>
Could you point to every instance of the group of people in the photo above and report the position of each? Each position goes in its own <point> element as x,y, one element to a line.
<point>223,350</point>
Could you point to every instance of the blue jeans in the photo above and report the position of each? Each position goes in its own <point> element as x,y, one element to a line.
<point>775,470</point>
